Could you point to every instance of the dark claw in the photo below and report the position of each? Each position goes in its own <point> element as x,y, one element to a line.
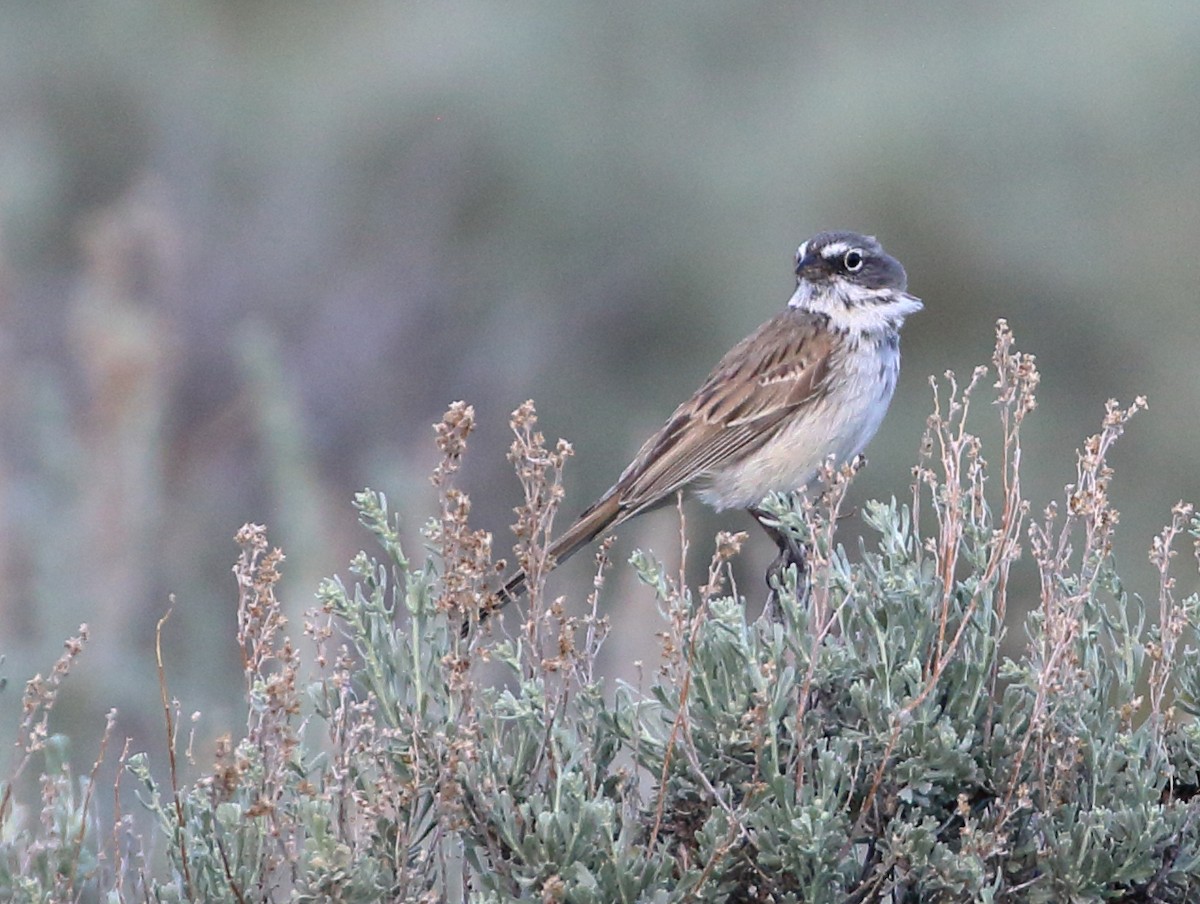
<point>791,552</point>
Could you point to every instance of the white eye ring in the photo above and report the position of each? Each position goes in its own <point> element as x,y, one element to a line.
<point>853,261</point>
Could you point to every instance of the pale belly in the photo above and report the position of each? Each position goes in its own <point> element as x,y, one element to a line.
<point>839,426</point>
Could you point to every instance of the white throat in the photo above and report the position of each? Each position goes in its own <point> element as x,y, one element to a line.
<point>855,308</point>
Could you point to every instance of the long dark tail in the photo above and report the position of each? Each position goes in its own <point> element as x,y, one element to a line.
<point>590,524</point>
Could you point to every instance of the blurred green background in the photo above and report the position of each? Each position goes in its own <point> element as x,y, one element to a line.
<point>249,252</point>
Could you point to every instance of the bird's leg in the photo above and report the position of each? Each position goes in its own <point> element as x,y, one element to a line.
<point>791,552</point>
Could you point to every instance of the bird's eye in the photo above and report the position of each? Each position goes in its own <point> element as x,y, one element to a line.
<point>853,261</point>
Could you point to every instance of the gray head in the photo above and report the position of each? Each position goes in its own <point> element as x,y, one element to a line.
<point>848,256</point>
<point>851,279</point>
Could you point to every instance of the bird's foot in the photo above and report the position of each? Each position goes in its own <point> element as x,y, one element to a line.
<point>791,552</point>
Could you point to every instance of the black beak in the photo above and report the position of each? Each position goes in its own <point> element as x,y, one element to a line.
<point>808,265</point>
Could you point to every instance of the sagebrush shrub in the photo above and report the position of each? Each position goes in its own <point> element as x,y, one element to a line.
<point>864,740</point>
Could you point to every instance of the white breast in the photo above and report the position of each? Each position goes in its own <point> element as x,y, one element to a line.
<point>838,423</point>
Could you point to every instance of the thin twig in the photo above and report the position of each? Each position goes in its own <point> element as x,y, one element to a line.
<point>166,703</point>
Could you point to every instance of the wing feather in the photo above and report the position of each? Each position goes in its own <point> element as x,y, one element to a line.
<point>750,394</point>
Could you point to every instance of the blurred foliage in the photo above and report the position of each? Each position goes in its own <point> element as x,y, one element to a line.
<point>865,740</point>
<point>249,251</point>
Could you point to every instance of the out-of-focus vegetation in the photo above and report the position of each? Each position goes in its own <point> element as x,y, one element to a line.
<point>249,252</point>
<point>864,741</point>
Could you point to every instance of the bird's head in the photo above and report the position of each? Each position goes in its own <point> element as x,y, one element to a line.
<point>852,279</point>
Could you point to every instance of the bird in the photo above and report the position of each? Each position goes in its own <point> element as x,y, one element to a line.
<point>810,386</point>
